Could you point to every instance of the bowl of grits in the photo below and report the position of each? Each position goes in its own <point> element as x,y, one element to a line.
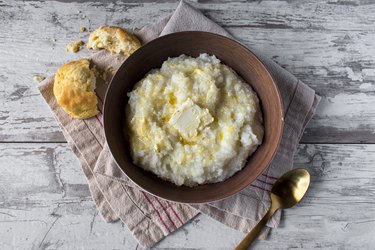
<point>193,117</point>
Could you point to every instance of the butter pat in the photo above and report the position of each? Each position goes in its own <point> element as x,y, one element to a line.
<point>189,119</point>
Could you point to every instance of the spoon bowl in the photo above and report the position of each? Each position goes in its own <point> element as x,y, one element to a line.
<point>286,192</point>
<point>290,188</point>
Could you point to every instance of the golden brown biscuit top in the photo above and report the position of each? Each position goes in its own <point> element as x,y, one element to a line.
<point>74,89</point>
<point>77,73</point>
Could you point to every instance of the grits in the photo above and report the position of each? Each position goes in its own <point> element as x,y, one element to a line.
<point>193,121</point>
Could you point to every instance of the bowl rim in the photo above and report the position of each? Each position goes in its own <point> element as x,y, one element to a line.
<point>234,190</point>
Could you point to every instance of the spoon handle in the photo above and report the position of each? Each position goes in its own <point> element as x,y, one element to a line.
<point>251,236</point>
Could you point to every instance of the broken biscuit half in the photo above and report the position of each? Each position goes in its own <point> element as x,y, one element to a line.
<point>114,39</point>
<point>74,87</point>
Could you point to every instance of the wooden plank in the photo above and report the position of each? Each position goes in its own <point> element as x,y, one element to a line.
<point>45,203</point>
<point>327,44</point>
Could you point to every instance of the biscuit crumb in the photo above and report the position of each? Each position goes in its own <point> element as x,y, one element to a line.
<point>108,70</point>
<point>82,29</point>
<point>103,74</point>
<point>97,72</point>
<point>74,47</point>
<point>38,78</point>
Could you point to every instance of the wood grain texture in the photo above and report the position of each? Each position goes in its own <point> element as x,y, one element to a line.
<point>45,203</point>
<point>327,44</point>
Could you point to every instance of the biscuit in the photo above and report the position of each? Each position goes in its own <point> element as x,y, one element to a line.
<point>74,89</point>
<point>113,39</point>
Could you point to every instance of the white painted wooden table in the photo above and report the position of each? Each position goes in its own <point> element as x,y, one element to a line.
<point>330,45</point>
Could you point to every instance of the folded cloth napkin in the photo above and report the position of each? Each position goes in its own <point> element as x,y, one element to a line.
<point>151,218</point>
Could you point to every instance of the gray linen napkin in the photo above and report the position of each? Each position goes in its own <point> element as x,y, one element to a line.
<point>151,218</point>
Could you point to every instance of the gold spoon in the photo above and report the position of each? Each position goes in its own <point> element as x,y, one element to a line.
<point>287,191</point>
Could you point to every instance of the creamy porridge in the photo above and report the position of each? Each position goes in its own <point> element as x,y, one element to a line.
<point>193,121</point>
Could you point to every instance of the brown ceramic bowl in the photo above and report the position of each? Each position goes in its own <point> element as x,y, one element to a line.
<point>192,43</point>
